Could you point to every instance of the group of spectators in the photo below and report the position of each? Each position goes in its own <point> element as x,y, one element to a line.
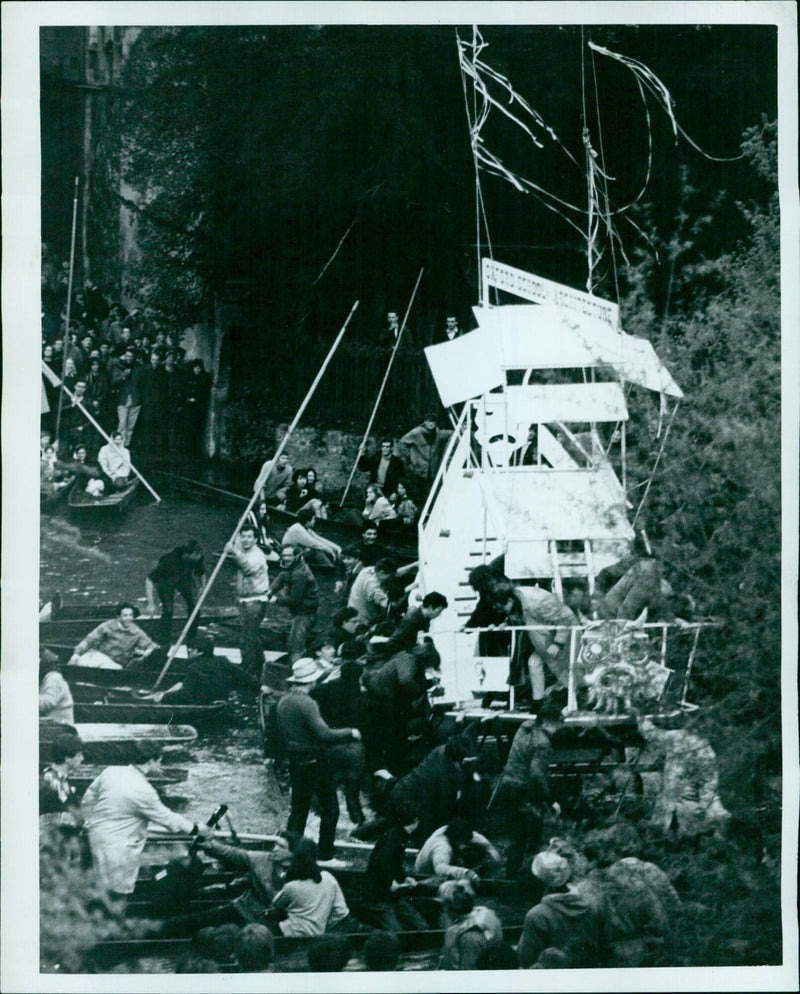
<point>131,378</point>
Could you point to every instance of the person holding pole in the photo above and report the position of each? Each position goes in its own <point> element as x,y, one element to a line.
<point>252,588</point>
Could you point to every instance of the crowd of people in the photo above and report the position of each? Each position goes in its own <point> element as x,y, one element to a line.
<point>355,709</point>
<point>132,378</point>
<point>355,712</point>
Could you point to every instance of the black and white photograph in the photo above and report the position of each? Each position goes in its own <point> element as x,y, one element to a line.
<point>414,575</point>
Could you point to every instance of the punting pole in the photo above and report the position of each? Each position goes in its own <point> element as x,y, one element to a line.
<point>69,304</point>
<point>256,491</point>
<point>380,391</point>
<point>48,372</point>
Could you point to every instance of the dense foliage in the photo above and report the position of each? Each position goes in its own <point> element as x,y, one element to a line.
<point>714,508</point>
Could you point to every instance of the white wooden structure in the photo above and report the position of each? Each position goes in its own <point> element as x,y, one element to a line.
<point>559,365</point>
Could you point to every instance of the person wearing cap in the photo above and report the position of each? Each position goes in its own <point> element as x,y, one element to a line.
<point>253,592</point>
<point>58,804</point>
<point>571,917</point>
<point>421,451</point>
<point>369,595</point>
<point>296,588</point>
<point>118,806</point>
<point>306,737</point>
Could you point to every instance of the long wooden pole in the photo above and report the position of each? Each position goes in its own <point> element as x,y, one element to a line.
<point>256,491</point>
<point>380,391</point>
<point>69,305</point>
<point>48,372</point>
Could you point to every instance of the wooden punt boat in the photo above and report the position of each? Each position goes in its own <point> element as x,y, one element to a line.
<point>291,954</point>
<point>110,743</point>
<point>70,631</point>
<point>167,776</point>
<point>148,712</point>
<point>112,500</point>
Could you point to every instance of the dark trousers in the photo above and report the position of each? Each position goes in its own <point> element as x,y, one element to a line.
<point>348,766</point>
<point>311,776</point>
<point>392,916</point>
<point>166,594</point>
<point>251,614</point>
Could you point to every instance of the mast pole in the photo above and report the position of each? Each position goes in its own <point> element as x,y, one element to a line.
<point>380,391</point>
<point>256,491</point>
<point>69,304</point>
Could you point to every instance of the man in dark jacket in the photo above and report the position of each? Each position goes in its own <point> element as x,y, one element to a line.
<point>306,738</point>
<point>152,420</point>
<point>181,569</point>
<point>126,388</point>
<point>340,704</point>
<point>196,394</point>
<point>383,466</point>
<point>296,589</point>
<point>396,693</point>
<point>416,621</point>
<point>571,917</point>
<point>385,883</point>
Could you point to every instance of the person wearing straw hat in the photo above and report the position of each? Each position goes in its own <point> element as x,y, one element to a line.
<point>306,737</point>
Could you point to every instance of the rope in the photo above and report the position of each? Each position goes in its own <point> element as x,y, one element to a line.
<point>655,464</point>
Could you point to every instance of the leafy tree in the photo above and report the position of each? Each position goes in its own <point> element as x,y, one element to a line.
<point>715,502</point>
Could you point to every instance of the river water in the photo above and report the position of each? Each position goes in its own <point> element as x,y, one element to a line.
<point>105,559</point>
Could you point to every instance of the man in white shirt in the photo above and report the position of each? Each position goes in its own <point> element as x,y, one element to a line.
<point>252,589</point>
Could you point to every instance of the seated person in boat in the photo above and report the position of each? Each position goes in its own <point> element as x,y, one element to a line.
<point>366,553</point>
<point>383,466</point>
<point>314,493</point>
<point>115,462</point>
<point>55,697</point>
<point>455,852</point>
<point>551,647</point>
<point>311,901</point>
<point>328,954</point>
<point>206,678</point>
<point>180,570</point>
<point>471,927</point>
<point>377,508</point>
<point>118,807</point>
<point>279,476</point>
<point>298,494</point>
<point>265,876</point>
<point>405,508</point>
<point>114,644</point>
<point>58,804</point>
<point>254,949</point>
<point>79,466</point>
<point>386,884</point>
<point>259,519</point>
<point>316,549</point>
